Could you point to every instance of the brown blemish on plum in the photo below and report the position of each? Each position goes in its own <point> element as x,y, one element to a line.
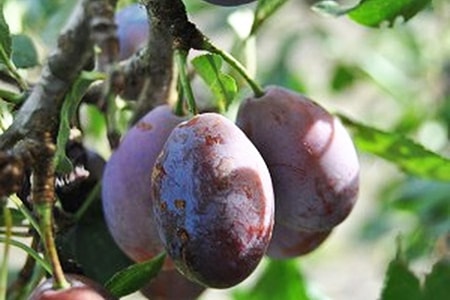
<point>212,140</point>
<point>144,126</point>
<point>180,203</point>
<point>163,206</point>
<point>183,235</point>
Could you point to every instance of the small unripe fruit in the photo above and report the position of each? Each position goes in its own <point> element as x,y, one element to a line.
<point>229,2</point>
<point>126,193</point>
<point>310,155</point>
<point>213,201</point>
<point>81,288</point>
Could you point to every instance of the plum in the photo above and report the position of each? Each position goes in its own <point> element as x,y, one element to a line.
<point>81,288</point>
<point>171,285</point>
<point>132,29</point>
<point>229,2</point>
<point>289,243</point>
<point>213,201</point>
<point>310,155</point>
<point>126,193</point>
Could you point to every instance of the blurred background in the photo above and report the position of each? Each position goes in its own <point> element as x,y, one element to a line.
<point>396,79</point>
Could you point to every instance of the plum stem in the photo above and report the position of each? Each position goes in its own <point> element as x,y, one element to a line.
<point>207,45</point>
<point>181,57</point>
<point>4,267</point>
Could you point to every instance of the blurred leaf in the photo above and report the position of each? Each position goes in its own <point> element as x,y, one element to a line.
<point>400,283</point>
<point>409,156</point>
<point>91,237</point>
<point>330,8</point>
<point>16,215</point>
<point>24,54</point>
<point>135,276</point>
<point>68,111</point>
<point>375,12</point>
<point>5,38</point>
<point>343,77</point>
<point>437,285</point>
<point>264,10</point>
<point>223,86</point>
<point>281,279</point>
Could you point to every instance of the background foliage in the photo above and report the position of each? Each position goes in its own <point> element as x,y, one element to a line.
<point>388,79</point>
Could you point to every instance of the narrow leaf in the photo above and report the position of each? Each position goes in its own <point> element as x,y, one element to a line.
<point>374,12</point>
<point>400,283</point>
<point>437,285</point>
<point>264,10</point>
<point>24,54</point>
<point>135,276</point>
<point>408,155</point>
<point>330,8</point>
<point>207,66</point>
<point>68,110</point>
<point>5,38</point>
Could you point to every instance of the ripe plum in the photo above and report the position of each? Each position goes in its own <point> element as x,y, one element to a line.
<point>126,192</point>
<point>213,201</point>
<point>310,155</point>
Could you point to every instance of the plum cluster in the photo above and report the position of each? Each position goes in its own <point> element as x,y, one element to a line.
<point>217,196</point>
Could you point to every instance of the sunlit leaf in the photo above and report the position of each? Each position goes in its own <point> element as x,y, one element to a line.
<point>24,54</point>
<point>408,155</point>
<point>264,10</point>
<point>281,279</point>
<point>135,276</point>
<point>375,12</point>
<point>222,85</point>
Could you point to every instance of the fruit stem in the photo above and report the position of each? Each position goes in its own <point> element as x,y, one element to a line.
<point>4,267</point>
<point>46,221</point>
<point>180,58</point>
<point>207,45</point>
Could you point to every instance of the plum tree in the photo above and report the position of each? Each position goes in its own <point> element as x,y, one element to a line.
<point>162,287</point>
<point>132,29</point>
<point>229,2</point>
<point>310,155</point>
<point>126,196</point>
<point>81,288</point>
<point>289,243</point>
<point>213,201</point>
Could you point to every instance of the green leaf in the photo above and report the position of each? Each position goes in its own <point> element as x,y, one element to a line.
<point>374,12</point>
<point>135,276</point>
<point>264,10</point>
<point>16,215</point>
<point>330,8</point>
<point>68,111</point>
<point>5,38</point>
<point>400,283</point>
<point>408,155</point>
<point>24,54</point>
<point>222,85</point>
<point>437,285</point>
<point>281,279</point>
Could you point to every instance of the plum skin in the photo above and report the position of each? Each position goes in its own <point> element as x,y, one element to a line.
<point>229,2</point>
<point>310,155</point>
<point>289,243</point>
<point>81,288</point>
<point>171,285</point>
<point>126,194</point>
<point>133,29</point>
<point>213,201</point>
